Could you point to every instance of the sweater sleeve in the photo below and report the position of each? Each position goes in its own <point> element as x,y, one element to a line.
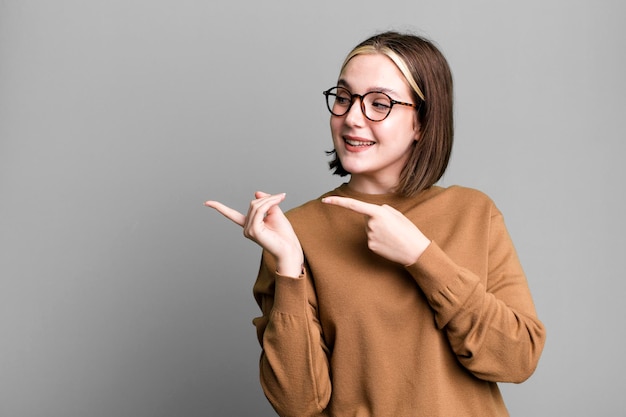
<point>491,324</point>
<point>294,367</point>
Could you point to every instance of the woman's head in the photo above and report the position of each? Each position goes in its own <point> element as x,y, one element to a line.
<point>425,70</point>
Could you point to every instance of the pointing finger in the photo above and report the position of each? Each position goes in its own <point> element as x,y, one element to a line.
<point>352,204</point>
<point>228,212</point>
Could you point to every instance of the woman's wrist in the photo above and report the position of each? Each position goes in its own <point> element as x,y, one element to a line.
<point>291,265</point>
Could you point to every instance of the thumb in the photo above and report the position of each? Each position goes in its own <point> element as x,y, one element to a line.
<point>261,194</point>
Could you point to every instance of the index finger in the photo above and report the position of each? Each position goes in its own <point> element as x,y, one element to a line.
<point>352,204</point>
<point>228,212</point>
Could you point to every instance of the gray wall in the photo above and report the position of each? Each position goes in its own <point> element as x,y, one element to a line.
<point>121,295</point>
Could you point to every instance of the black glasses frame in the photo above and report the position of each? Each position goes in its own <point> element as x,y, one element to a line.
<point>353,96</point>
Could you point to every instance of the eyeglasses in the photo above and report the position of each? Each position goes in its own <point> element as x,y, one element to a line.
<point>375,105</point>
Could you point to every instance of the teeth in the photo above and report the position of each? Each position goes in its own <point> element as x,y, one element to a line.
<point>358,143</point>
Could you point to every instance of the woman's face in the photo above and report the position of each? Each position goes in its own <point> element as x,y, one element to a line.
<point>374,153</point>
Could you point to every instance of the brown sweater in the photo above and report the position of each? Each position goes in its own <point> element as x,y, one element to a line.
<point>357,335</point>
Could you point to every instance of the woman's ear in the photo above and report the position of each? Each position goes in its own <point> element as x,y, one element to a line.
<point>417,129</point>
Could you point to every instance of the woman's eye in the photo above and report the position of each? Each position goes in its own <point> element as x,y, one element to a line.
<point>380,106</point>
<point>342,100</point>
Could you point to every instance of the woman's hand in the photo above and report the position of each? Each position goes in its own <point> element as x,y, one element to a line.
<point>389,233</point>
<point>267,225</point>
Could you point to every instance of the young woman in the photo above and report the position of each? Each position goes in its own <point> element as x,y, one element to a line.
<point>390,296</point>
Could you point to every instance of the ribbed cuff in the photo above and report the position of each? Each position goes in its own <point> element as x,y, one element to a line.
<point>290,295</point>
<point>446,285</point>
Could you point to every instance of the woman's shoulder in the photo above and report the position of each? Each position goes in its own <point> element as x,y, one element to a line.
<point>465,197</point>
<point>466,193</point>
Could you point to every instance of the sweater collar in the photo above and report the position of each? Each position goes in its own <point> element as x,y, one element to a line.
<point>392,199</point>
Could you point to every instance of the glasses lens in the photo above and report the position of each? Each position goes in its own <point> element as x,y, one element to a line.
<point>376,105</point>
<point>338,100</point>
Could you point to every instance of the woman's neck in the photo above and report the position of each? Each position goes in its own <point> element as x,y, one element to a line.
<point>368,185</point>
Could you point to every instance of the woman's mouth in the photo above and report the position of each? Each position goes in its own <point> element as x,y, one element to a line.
<point>359,143</point>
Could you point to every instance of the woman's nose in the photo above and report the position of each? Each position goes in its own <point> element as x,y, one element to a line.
<point>355,115</point>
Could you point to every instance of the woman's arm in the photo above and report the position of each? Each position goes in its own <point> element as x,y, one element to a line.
<point>493,329</point>
<point>294,361</point>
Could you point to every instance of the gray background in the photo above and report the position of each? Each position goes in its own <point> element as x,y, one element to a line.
<point>121,295</point>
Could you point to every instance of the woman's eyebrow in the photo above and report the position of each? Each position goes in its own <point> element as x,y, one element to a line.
<point>343,83</point>
<point>383,90</point>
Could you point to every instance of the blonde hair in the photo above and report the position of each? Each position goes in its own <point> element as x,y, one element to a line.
<point>391,54</point>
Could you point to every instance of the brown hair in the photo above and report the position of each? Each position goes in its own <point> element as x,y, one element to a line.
<point>428,74</point>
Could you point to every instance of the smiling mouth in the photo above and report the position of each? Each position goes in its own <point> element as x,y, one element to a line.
<point>358,143</point>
